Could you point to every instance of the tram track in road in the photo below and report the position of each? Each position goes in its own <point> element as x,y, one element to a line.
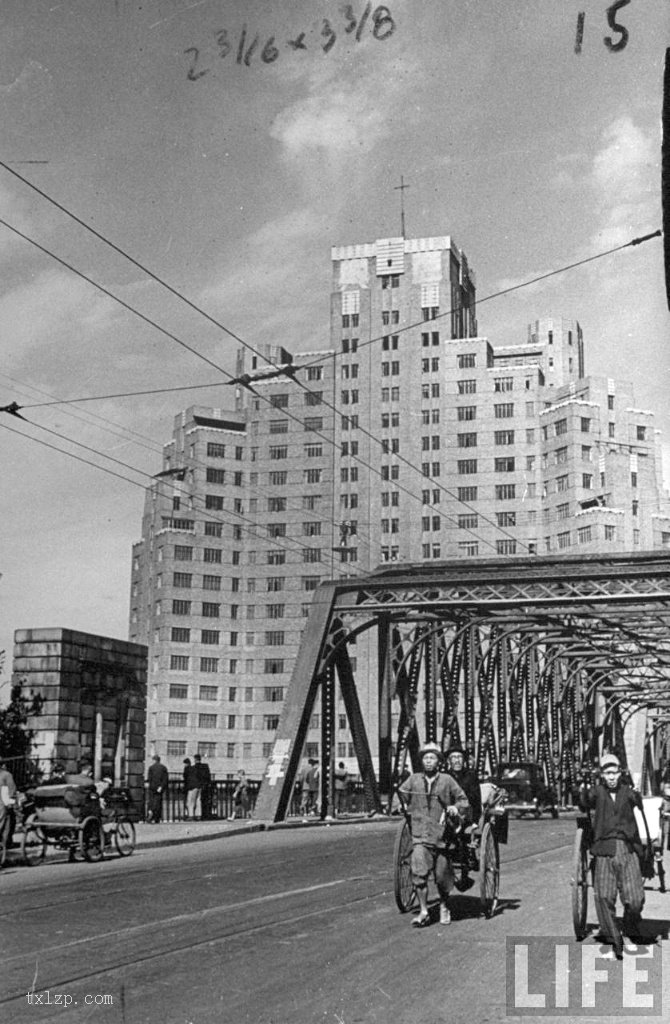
<point>127,947</point>
<point>232,931</point>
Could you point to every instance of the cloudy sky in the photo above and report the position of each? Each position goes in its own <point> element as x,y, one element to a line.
<point>232,184</point>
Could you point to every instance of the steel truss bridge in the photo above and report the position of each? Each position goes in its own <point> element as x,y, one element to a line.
<point>544,660</point>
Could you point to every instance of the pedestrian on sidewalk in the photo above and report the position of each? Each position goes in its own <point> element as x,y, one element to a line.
<point>240,797</point>
<point>204,779</point>
<point>157,781</point>
<point>341,788</point>
<point>191,790</point>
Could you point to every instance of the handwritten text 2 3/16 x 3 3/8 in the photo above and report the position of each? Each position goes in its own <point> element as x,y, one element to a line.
<point>379,21</point>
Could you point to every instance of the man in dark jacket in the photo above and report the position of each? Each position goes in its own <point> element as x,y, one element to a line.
<point>616,847</point>
<point>469,783</point>
<point>157,779</point>
<point>203,778</point>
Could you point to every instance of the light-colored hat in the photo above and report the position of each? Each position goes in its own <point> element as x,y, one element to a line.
<point>430,748</point>
<point>608,760</point>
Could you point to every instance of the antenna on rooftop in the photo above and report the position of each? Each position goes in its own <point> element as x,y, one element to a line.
<point>401,188</point>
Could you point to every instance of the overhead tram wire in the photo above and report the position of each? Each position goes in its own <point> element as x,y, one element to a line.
<point>154,446</point>
<point>173,337</point>
<point>209,513</point>
<point>173,291</point>
<point>148,320</point>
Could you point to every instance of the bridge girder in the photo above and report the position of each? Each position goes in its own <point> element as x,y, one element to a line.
<point>516,659</point>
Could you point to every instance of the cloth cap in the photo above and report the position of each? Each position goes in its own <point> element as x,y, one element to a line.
<point>457,749</point>
<point>430,748</point>
<point>609,760</point>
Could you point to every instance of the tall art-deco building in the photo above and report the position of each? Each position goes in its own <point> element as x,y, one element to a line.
<point>411,439</point>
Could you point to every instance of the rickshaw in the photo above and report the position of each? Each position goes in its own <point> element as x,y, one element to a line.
<point>653,823</point>
<point>75,819</point>
<point>483,856</point>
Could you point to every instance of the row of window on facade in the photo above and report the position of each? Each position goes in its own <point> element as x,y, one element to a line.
<point>209,750</point>
<point>510,546</point>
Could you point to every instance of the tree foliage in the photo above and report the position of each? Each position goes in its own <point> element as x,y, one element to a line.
<point>15,736</point>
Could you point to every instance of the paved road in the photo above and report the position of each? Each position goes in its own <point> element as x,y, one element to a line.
<point>294,927</point>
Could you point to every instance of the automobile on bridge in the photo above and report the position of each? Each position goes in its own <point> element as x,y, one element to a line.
<point>525,790</point>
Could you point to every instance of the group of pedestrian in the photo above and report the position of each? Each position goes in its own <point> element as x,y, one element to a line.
<point>197,789</point>
<point>309,786</point>
<point>446,807</point>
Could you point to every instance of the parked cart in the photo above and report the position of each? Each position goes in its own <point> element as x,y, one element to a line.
<point>75,819</point>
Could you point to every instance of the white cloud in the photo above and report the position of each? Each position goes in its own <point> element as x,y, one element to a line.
<point>625,179</point>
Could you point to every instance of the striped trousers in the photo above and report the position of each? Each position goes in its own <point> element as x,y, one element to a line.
<point>621,875</point>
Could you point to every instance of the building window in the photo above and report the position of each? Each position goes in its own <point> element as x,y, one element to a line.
<point>466,412</point>
<point>467,360</point>
<point>503,437</point>
<point>181,607</point>
<point>584,534</point>
<point>585,424</point>
<point>312,476</point>
<point>587,481</point>
<point>504,465</point>
<point>182,579</point>
<point>562,483</point>
<point>209,664</point>
<point>209,636</point>
<point>213,529</point>
<point>563,540</point>
<point>209,610</point>
<point>467,387</point>
<point>468,522</point>
<point>176,748</point>
<point>270,722</point>
<point>505,492</point>
<point>178,691</point>
<point>466,440</point>
<point>503,383</point>
<point>563,511</point>
<point>467,494</point>
<point>503,411</point>
<point>216,476</point>
<point>466,466</point>
<point>506,519</point>
<point>468,547</point>
<point>506,547</point>
<point>215,450</point>
<point>177,719</point>
<point>214,501</point>
<point>560,456</point>
<point>182,553</point>
<point>641,433</point>
<point>311,554</point>
<point>206,721</point>
<point>180,635</point>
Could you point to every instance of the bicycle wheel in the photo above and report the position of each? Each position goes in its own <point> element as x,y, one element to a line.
<point>91,840</point>
<point>580,884</point>
<point>124,838</point>
<point>403,887</point>
<point>33,845</point>
<point>489,858</point>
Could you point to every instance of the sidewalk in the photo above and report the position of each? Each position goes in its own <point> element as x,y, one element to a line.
<point>173,833</point>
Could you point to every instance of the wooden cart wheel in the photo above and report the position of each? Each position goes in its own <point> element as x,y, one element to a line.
<point>405,893</point>
<point>91,839</point>
<point>489,858</point>
<point>580,883</point>
<point>124,838</point>
<point>33,844</point>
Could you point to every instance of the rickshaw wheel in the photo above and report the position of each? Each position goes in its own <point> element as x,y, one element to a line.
<point>489,857</point>
<point>403,887</point>
<point>91,840</point>
<point>124,838</point>
<point>580,883</point>
<point>33,845</point>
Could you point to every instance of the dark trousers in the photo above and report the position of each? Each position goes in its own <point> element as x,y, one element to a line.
<point>620,875</point>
